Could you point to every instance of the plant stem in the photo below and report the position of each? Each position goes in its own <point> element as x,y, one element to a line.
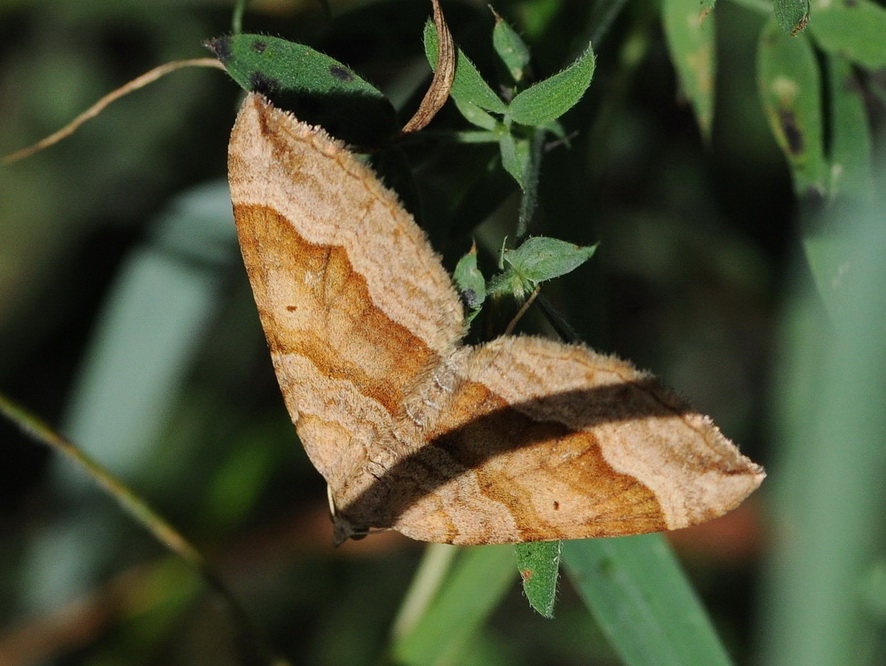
<point>529,200</point>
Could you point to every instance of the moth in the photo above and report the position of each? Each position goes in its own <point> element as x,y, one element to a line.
<point>519,439</point>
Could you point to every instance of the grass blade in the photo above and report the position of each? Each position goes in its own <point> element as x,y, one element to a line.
<point>828,477</point>
<point>642,601</point>
<point>479,579</point>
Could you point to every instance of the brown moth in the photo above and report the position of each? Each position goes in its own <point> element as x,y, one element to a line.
<point>519,439</point>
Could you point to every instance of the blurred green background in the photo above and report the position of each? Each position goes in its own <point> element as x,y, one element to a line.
<point>126,319</point>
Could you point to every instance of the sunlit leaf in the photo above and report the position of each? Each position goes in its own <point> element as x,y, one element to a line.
<point>538,260</point>
<point>469,85</point>
<point>549,99</point>
<point>317,88</point>
<point>539,566</point>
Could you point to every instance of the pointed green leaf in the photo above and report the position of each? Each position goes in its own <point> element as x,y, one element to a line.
<point>510,48</point>
<point>691,44</point>
<point>468,85</point>
<point>792,15</point>
<point>790,90</point>
<point>539,566</point>
<point>515,157</point>
<point>549,99</point>
<point>540,258</point>
<point>474,114</point>
<point>854,30</point>
<point>537,260</point>
<point>315,87</point>
<point>643,602</point>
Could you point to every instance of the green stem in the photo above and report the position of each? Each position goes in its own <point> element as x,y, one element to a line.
<point>237,17</point>
<point>529,200</point>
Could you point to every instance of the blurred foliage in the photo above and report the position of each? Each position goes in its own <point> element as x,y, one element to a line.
<point>743,271</point>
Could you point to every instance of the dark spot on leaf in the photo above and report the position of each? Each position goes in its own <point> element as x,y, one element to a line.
<point>525,574</point>
<point>291,308</point>
<point>792,133</point>
<point>470,299</point>
<point>556,505</point>
<point>259,46</point>
<point>263,84</point>
<point>221,47</point>
<point>341,73</point>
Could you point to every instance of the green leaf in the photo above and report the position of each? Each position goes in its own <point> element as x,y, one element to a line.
<point>315,87</point>
<point>691,44</point>
<point>854,30</point>
<point>549,99</point>
<point>475,115</point>
<point>260,63</point>
<point>468,85</point>
<point>790,90</point>
<point>792,15</point>
<point>537,260</point>
<point>479,579</point>
<point>540,258</point>
<point>470,282</point>
<point>515,157</point>
<point>510,48</point>
<point>851,150</point>
<point>539,566</point>
<point>642,601</point>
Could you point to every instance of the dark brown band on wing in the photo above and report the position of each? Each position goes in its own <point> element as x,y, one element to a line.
<point>511,456</point>
<point>314,304</point>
